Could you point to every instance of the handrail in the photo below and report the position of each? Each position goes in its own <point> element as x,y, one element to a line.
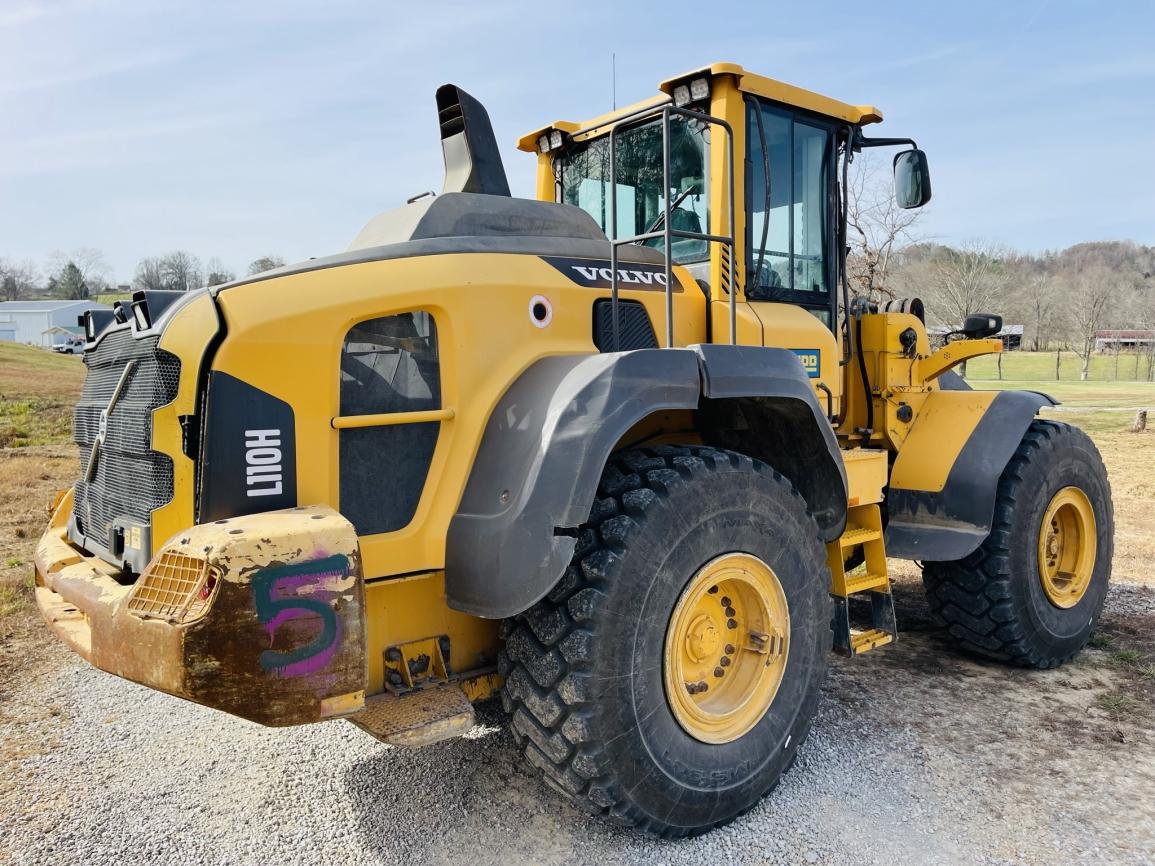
<point>665,110</point>
<point>389,419</point>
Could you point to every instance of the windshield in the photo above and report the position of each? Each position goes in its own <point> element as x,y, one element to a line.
<point>584,173</point>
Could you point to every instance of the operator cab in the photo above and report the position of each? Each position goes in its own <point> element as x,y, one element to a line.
<point>790,147</point>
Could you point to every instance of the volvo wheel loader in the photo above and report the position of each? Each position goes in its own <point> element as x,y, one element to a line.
<point>627,455</point>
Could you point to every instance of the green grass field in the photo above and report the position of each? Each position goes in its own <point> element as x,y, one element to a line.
<point>1098,405</point>
<point>37,391</point>
<point>1040,366</point>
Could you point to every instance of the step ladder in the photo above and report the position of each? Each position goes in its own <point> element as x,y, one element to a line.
<point>855,633</point>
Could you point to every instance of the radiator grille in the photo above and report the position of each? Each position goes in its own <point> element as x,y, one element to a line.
<point>129,480</point>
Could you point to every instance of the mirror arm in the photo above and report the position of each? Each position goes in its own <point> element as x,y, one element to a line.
<point>861,141</point>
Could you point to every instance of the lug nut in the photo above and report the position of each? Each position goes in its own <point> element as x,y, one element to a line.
<point>725,601</point>
<point>729,611</point>
<point>702,686</point>
<point>718,672</point>
<point>692,688</point>
<point>731,623</point>
<point>724,661</point>
<point>712,590</point>
<point>729,649</point>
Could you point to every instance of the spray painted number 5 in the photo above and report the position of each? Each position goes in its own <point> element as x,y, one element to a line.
<point>276,601</point>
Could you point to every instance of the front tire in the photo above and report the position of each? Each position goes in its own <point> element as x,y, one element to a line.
<point>588,668</point>
<point>1032,593</point>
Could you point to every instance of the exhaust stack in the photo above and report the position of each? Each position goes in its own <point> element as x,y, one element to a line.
<point>472,161</point>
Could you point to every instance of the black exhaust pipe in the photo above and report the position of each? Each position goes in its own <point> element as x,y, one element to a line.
<point>472,161</point>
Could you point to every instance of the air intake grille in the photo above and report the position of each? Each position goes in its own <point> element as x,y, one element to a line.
<point>129,479</point>
<point>635,330</point>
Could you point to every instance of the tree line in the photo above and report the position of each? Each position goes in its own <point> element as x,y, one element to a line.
<point>1061,298</point>
<point>83,273</point>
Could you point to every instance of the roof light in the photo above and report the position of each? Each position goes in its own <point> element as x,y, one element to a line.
<point>550,140</point>
<point>699,89</point>
<point>681,95</point>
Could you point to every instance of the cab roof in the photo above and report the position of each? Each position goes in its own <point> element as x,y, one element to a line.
<point>747,82</point>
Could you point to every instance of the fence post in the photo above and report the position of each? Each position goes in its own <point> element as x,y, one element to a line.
<point>1058,355</point>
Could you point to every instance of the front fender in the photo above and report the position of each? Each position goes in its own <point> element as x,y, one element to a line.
<point>941,501</point>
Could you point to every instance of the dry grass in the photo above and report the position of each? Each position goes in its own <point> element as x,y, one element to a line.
<point>37,390</point>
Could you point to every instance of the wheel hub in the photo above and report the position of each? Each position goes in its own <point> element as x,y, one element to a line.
<point>726,648</point>
<point>703,640</point>
<point>1067,547</point>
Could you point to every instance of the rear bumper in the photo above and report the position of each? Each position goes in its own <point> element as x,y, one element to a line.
<point>259,616</point>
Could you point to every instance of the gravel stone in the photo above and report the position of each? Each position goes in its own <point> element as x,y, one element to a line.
<point>917,756</point>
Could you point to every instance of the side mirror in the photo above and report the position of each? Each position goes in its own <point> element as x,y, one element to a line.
<point>911,179</point>
<point>979,325</point>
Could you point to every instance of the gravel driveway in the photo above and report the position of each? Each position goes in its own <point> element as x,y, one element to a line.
<point>918,756</point>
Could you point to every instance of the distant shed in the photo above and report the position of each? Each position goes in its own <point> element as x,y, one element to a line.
<point>1118,340</point>
<point>39,323</point>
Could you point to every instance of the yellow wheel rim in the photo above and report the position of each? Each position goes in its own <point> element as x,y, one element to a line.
<point>1067,547</point>
<point>726,648</point>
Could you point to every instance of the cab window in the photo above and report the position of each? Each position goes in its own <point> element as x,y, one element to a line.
<point>789,243</point>
<point>584,172</point>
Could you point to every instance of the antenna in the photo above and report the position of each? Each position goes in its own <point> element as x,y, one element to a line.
<point>614,77</point>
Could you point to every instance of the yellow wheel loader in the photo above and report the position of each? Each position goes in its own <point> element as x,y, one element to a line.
<point>628,455</point>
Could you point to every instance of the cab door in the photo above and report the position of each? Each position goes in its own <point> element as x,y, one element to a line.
<point>790,238</point>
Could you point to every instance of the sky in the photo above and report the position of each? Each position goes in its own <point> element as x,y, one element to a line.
<point>240,129</point>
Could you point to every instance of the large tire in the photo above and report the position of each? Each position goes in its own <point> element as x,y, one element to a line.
<point>584,667</point>
<point>994,601</point>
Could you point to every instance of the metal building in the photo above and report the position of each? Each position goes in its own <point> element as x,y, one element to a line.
<point>31,322</point>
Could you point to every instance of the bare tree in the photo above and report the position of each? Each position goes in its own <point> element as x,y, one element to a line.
<point>149,275</point>
<point>216,273</point>
<point>18,280</point>
<point>967,280</point>
<point>177,271</point>
<point>877,228</point>
<point>265,263</point>
<point>182,271</point>
<point>1041,304</point>
<point>1088,305</point>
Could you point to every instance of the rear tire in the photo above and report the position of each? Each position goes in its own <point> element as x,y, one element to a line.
<point>584,668</point>
<point>996,602</point>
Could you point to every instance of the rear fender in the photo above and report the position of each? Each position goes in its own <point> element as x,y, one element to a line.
<point>542,454</point>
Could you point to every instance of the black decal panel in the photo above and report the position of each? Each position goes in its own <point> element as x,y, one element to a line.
<point>250,451</point>
<point>596,274</point>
